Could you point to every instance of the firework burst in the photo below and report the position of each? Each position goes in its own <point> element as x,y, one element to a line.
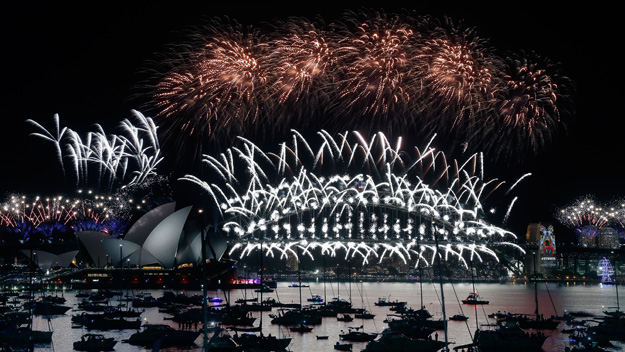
<point>460,75</point>
<point>368,71</point>
<point>584,212</point>
<point>367,197</point>
<point>301,56</point>
<point>376,77</point>
<point>216,82</point>
<point>532,109</point>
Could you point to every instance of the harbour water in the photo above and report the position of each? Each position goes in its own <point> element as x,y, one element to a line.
<point>553,299</point>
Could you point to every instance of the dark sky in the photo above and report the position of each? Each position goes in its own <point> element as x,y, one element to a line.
<point>81,60</point>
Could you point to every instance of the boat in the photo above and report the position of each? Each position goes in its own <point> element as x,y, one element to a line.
<point>294,284</point>
<point>295,317</point>
<point>215,299</point>
<point>171,337</point>
<point>538,323</point>
<point>364,315</point>
<point>43,307</point>
<point>315,298</point>
<point>301,328</point>
<point>459,317</point>
<point>344,317</point>
<point>23,336</point>
<point>384,302</point>
<point>261,342</point>
<point>103,322</point>
<point>343,346</point>
<point>245,300</point>
<point>95,342</point>
<point>474,298</point>
<point>240,329</point>
<point>398,342</point>
<point>354,334</point>
<point>322,337</point>
<point>222,342</point>
<point>509,337</point>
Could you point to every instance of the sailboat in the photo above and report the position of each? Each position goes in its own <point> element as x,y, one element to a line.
<point>364,314</point>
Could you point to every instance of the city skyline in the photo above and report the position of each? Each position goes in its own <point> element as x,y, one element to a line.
<point>85,68</point>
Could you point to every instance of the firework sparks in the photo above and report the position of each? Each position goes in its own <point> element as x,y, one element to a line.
<point>585,212</point>
<point>532,108</point>
<point>369,71</point>
<point>362,196</point>
<point>31,215</point>
<point>117,160</point>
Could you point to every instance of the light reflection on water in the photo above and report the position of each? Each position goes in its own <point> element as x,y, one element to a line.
<point>516,298</point>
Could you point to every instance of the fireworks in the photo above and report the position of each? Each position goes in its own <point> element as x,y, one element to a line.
<point>585,212</point>
<point>115,161</point>
<point>29,216</point>
<point>368,71</point>
<point>368,198</point>
<point>531,109</point>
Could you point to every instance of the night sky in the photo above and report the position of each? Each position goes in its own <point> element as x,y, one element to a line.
<point>83,60</point>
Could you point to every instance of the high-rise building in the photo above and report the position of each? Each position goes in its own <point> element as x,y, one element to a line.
<point>608,238</point>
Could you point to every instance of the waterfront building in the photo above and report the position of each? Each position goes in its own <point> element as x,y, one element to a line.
<point>608,238</point>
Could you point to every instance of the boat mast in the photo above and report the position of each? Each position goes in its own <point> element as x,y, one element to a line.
<point>536,284</point>
<point>473,283</point>
<point>349,267</point>
<point>299,278</point>
<point>261,288</point>
<point>204,288</point>
<point>440,279</point>
<point>325,298</point>
<point>421,284</point>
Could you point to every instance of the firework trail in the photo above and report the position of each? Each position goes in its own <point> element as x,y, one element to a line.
<point>54,138</point>
<point>352,194</point>
<point>116,161</point>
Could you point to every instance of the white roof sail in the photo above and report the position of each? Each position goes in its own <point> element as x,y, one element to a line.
<point>141,229</point>
<point>45,260</point>
<point>113,245</point>
<point>162,243</point>
<point>92,240</point>
<point>67,258</point>
<point>188,253</point>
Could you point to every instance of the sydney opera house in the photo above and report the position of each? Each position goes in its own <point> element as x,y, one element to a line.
<point>161,248</point>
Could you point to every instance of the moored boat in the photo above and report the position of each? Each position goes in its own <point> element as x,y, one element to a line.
<point>474,298</point>
<point>355,334</point>
<point>343,346</point>
<point>170,336</point>
<point>95,342</point>
<point>384,302</point>
<point>459,317</point>
<point>508,337</point>
<point>398,342</point>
